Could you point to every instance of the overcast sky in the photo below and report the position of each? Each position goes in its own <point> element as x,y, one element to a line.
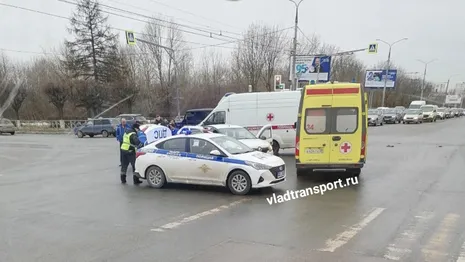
<point>434,28</point>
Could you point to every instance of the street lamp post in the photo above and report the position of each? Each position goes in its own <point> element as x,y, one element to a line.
<point>388,64</point>
<point>424,76</point>
<point>294,44</point>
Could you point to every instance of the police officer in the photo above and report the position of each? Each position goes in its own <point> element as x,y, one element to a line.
<point>120,130</point>
<point>128,151</point>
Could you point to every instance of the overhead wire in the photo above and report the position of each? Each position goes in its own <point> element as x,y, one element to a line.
<point>164,23</point>
<point>176,18</point>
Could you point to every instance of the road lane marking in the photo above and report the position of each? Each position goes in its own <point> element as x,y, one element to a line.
<point>180,222</point>
<point>435,250</point>
<point>346,236</point>
<point>402,244</point>
<point>462,254</point>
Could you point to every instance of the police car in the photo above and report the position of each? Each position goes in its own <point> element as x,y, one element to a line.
<point>208,159</point>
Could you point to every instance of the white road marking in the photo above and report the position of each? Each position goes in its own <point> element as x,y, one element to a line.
<point>402,244</point>
<point>435,250</point>
<point>462,254</point>
<point>346,236</point>
<point>186,220</point>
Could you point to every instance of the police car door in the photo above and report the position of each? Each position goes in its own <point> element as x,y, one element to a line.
<point>205,168</point>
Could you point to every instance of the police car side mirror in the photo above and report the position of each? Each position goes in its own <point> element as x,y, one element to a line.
<point>263,137</point>
<point>215,153</point>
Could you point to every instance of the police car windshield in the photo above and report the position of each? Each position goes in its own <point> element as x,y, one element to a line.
<point>231,145</point>
<point>237,133</point>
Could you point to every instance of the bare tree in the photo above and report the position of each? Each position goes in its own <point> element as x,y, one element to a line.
<point>57,94</point>
<point>20,88</point>
<point>165,63</point>
<point>273,53</point>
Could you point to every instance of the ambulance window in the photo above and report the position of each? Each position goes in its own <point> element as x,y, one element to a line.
<point>315,120</point>
<point>346,120</point>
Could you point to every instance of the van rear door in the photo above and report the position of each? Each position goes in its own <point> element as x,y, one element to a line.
<point>314,144</point>
<point>347,125</point>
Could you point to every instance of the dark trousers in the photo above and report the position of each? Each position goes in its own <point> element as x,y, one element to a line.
<point>128,158</point>
<point>120,153</point>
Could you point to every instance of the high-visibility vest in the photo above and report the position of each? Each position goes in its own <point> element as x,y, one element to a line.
<point>127,141</point>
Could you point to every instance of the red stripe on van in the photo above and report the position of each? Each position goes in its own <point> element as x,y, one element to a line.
<point>351,90</point>
<point>326,91</point>
<point>274,127</point>
<point>336,91</point>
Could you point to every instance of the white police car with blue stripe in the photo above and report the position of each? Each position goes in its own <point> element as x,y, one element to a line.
<point>208,159</point>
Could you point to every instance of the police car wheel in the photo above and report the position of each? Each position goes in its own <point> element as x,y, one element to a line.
<point>239,183</point>
<point>155,177</point>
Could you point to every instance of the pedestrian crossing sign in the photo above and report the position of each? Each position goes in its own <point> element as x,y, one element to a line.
<point>130,38</point>
<point>373,48</point>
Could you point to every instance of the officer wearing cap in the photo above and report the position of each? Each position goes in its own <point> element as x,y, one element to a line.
<point>129,146</point>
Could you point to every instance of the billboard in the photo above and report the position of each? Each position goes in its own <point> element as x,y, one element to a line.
<point>306,68</point>
<point>374,79</point>
<point>453,99</point>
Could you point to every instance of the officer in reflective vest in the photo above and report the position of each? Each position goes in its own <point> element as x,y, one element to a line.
<point>128,151</point>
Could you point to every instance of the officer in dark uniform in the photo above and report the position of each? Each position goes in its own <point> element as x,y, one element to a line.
<point>128,151</point>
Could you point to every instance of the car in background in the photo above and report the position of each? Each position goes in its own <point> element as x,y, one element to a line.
<point>243,135</point>
<point>133,118</point>
<point>430,113</point>
<point>413,116</point>
<point>461,112</point>
<point>208,159</point>
<point>448,113</point>
<point>392,116</point>
<point>101,126</point>
<point>402,108</point>
<point>375,117</point>
<point>6,126</point>
<point>193,117</point>
<point>442,113</point>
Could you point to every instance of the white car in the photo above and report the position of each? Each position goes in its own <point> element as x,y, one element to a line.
<point>192,129</point>
<point>245,136</point>
<point>208,159</point>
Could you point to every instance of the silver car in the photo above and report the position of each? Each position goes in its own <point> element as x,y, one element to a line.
<point>6,126</point>
<point>375,117</point>
<point>413,116</point>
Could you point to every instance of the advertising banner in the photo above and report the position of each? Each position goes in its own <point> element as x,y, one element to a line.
<point>308,68</point>
<point>374,79</point>
<point>453,99</point>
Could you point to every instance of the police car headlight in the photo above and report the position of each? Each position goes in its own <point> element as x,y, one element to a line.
<point>257,166</point>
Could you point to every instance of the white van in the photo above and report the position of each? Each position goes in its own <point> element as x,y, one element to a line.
<point>417,104</point>
<point>258,109</point>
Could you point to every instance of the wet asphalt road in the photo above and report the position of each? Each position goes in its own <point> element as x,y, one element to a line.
<point>61,200</point>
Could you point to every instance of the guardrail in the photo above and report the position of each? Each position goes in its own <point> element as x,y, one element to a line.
<point>48,125</point>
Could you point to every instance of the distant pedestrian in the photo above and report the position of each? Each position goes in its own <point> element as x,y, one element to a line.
<point>120,130</point>
<point>128,150</point>
<point>158,120</point>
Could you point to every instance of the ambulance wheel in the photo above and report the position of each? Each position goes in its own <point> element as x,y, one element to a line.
<point>80,134</point>
<point>104,133</point>
<point>239,182</point>
<point>155,177</point>
<point>275,148</point>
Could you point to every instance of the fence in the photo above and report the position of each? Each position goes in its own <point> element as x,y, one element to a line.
<point>47,125</point>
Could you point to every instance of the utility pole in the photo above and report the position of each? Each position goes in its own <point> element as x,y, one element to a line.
<point>388,65</point>
<point>294,45</point>
<point>424,76</point>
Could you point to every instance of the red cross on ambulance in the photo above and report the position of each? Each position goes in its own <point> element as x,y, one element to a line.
<point>345,148</point>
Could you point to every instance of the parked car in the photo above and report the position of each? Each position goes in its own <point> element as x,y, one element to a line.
<point>6,126</point>
<point>442,113</point>
<point>132,118</point>
<point>448,113</point>
<point>193,117</point>
<point>102,126</point>
<point>413,116</point>
<point>375,117</point>
<point>392,116</point>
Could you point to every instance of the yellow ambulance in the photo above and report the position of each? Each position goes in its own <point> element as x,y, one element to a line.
<point>331,128</point>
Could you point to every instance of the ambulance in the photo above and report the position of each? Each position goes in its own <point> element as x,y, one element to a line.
<point>331,129</point>
<point>260,112</point>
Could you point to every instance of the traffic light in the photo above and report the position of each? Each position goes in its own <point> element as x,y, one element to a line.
<point>277,81</point>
